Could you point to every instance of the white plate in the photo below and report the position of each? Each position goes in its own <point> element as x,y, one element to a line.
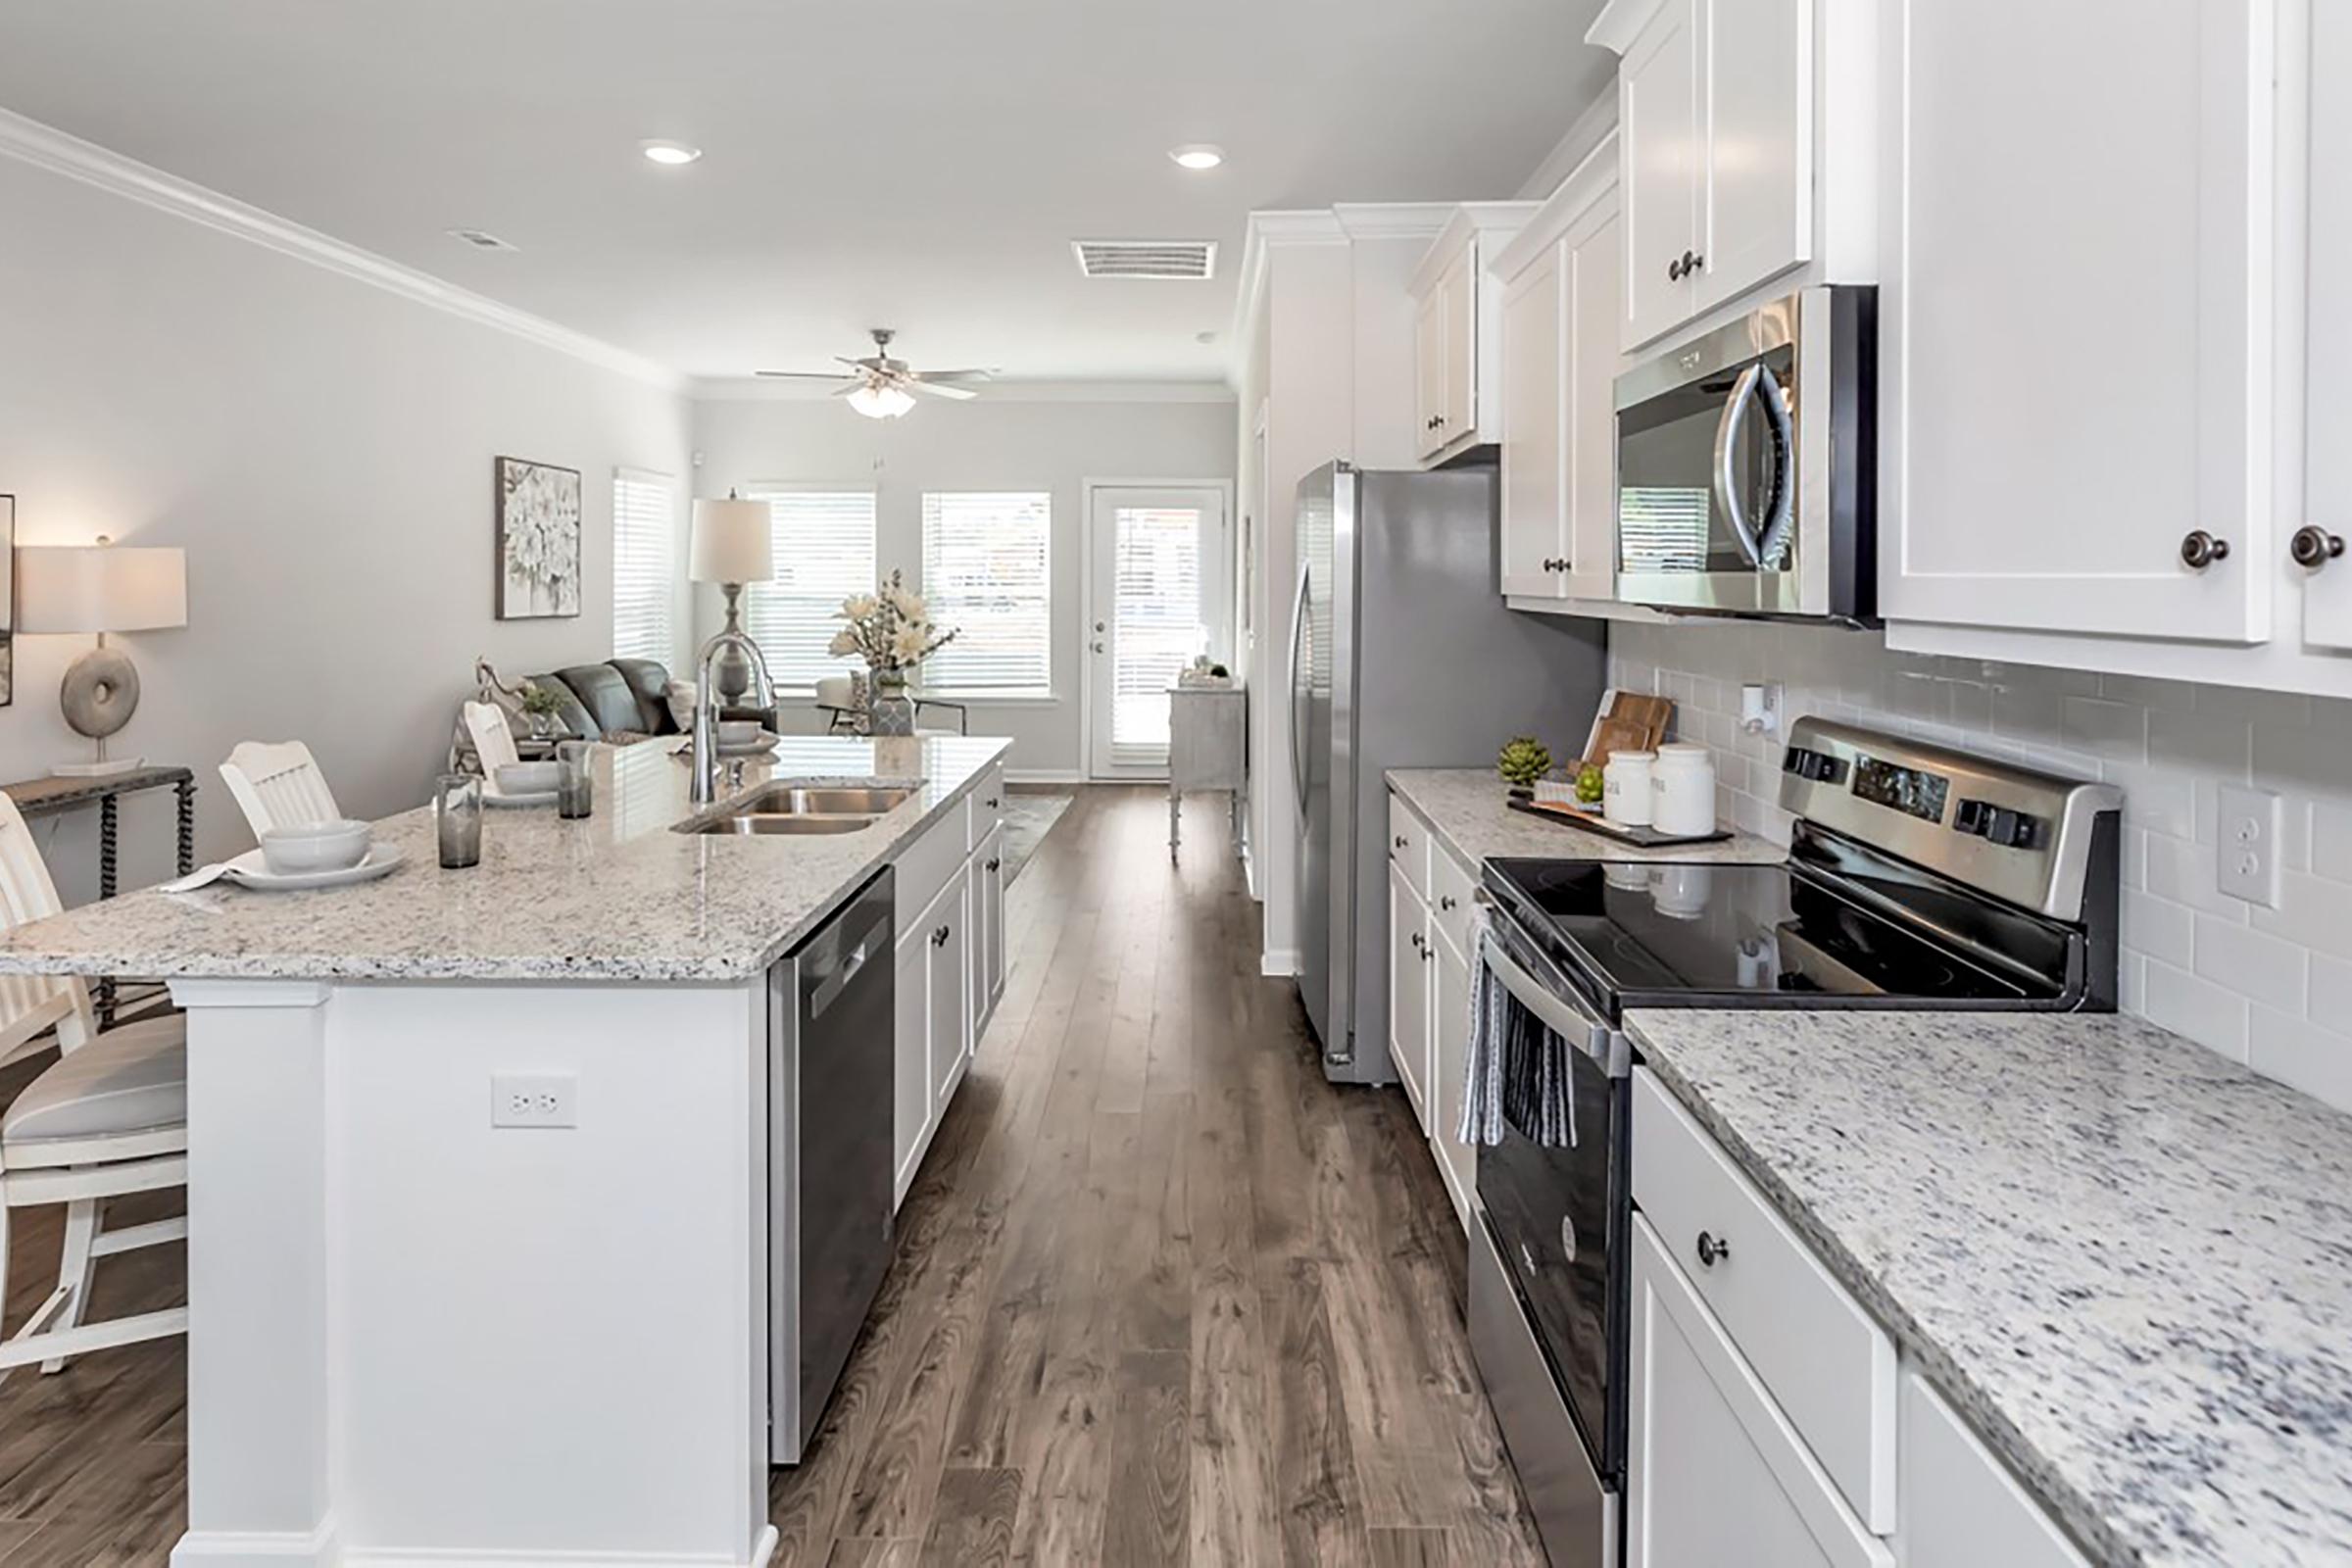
<point>535,797</point>
<point>767,742</point>
<point>248,870</point>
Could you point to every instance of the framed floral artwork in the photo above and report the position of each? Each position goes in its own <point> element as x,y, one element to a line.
<point>538,540</point>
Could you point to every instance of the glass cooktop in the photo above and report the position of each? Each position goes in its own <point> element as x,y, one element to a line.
<point>1647,933</point>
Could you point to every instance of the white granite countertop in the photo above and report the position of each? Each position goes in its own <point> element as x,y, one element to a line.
<point>618,895</point>
<point>2127,1259</point>
<point>1466,805</point>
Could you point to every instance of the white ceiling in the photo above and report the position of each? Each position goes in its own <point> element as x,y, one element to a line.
<point>917,163</point>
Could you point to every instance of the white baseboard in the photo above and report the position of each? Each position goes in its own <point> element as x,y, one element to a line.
<point>258,1548</point>
<point>1278,961</point>
<point>221,1549</point>
<point>1044,776</point>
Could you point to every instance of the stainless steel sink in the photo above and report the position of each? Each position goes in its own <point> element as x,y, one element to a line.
<point>792,809</point>
<point>759,825</point>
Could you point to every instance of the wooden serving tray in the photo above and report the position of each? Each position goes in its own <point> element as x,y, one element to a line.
<point>1646,838</point>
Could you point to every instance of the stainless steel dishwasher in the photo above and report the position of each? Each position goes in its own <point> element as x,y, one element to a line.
<point>830,1021</point>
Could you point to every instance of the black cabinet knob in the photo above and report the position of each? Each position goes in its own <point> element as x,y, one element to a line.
<point>996,865</point>
<point>1692,262</point>
<point>1445,900</point>
<point>1712,1251</point>
<point>1674,270</point>
<point>2314,547</point>
<point>1400,840</point>
<point>2200,549</point>
<point>939,938</point>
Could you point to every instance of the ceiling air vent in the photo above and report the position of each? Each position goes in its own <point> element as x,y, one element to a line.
<point>1183,259</point>
<point>479,239</point>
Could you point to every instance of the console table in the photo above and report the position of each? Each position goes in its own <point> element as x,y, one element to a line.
<point>47,797</point>
<point>1208,750</point>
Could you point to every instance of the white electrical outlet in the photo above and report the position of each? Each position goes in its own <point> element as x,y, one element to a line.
<point>534,1100</point>
<point>2247,845</point>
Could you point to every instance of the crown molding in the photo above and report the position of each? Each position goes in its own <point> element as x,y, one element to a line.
<point>44,147</point>
<point>1595,125</point>
<point>755,389</point>
<point>1391,219</point>
<point>1620,23</point>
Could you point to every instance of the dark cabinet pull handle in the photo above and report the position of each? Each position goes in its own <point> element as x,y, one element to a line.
<point>1427,953</point>
<point>1674,270</point>
<point>991,803</point>
<point>1712,1251</point>
<point>1445,900</point>
<point>996,865</point>
<point>2200,549</point>
<point>1400,840</point>
<point>2312,546</point>
<point>939,938</point>
<point>1692,262</point>
<point>1416,939</point>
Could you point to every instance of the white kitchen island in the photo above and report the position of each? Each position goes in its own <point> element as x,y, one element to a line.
<point>418,1337</point>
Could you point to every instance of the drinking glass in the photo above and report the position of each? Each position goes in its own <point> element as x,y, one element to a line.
<point>575,781</point>
<point>458,819</point>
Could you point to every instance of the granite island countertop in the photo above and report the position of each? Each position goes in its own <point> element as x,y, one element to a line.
<point>2128,1260</point>
<point>1467,806</point>
<point>620,896</point>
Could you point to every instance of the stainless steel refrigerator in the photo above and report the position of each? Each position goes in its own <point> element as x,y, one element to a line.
<point>1402,656</point>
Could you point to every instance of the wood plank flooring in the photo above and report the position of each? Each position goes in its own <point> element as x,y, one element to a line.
<point>1162,1295</point>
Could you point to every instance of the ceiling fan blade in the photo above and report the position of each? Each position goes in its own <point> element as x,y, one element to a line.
<point>800,376</point>
<point>956,375</point>
<point>850,386</point>
<point>960,394</point>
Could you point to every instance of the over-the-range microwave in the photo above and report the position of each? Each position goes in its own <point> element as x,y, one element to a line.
<point>1746,465</point>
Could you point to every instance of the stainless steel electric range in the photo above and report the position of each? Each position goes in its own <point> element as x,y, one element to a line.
<point>1917,877</point>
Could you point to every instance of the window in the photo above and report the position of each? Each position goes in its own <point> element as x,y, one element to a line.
<point>824,553</point>
<point>646,567</point>
<point>1155,610</point>
<point>988,574</point>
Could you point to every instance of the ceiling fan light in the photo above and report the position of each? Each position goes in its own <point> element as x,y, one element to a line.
<point>880,402</point>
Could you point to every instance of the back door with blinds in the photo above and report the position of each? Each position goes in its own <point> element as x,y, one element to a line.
<point>648,567</point>
<point>1156,601</point>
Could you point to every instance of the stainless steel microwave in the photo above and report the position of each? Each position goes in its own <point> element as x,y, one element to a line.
<point>1746,465</point>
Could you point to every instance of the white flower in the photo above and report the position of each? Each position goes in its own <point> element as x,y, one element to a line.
<point>844,641</point>
<point>859,605</point>
<point>907,601</point>
<point>910,643</point>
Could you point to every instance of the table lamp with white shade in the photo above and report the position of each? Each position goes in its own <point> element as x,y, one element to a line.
<point>76,590</point>
<point>732,543</point>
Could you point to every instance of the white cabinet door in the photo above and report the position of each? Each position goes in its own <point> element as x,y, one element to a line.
<point>1429,372</point>
<point>1593,269</point>
<point>2326,584</point>
<point>1960,1507</point>
<point>1658,104</point>
<point>911,1110</point>
<point>1408,989</point>
<point>1449,1003</point>
<point>988,931</point>
<point>2076,318</point>
<point>1755,58</point>
<point>1536,431</point>
<point>1460,288</point>
<point>1715,1473</point>
<point>946,973</point>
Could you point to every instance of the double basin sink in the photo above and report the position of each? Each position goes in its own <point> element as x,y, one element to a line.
<point>798,808</point>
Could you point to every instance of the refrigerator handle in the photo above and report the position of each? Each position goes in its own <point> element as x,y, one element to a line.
<point>1298,675</point>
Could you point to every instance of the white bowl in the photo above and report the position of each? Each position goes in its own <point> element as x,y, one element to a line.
<point>335,846</point>
<point>529,778</point>
<point>737,732</point>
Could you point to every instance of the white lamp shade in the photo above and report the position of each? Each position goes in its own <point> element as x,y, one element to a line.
<point>732,542</point>
<point>88,588</point>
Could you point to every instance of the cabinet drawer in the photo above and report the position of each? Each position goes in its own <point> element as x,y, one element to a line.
<point>1828,1363</point>
<point>1960,1505</point>
<point>924,866</point>
<point>985,805</point>
<point>1408,846</point>
<point>1451,892</point>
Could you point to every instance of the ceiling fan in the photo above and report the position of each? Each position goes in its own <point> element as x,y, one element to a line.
<point>881,387</point>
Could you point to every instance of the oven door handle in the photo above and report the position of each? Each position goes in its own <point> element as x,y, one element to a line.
<point>1572,1023</point>
<point>1764,552</point>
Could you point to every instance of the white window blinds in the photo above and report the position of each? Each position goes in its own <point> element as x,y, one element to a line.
<point>1155,592</point>
<point>988,574</point>
<point>824,553</point>
<point>647,570</point>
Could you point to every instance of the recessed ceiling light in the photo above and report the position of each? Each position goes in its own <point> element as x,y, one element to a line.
<point>671,153</point>
<point>1197,155</point>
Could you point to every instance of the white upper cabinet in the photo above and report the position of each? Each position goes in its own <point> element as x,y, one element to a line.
<point>2317,573</point>
<point>1458,332</point>
<point>2076,321</point>
<point>1560,291</point>
<point>1747,150</point>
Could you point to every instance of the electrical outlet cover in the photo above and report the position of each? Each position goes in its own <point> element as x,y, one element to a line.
<point>534,1100</point>
<point>2246,843</point>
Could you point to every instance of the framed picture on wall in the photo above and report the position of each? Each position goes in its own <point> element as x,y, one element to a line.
<point>538,540</point>
<point>7,599</point>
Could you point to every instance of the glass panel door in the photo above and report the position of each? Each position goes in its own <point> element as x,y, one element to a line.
<point>1153,606</point>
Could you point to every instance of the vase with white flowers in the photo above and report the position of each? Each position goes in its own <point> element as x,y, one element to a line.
<point>890,629</point>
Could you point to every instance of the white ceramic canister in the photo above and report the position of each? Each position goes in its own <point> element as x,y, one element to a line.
<point>1625,788</point>
<point>1681,789</point>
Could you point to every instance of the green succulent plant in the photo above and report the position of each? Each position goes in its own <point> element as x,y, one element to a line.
<point>1523,761</point>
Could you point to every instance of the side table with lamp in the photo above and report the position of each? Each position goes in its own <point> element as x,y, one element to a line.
<point>732,544</point>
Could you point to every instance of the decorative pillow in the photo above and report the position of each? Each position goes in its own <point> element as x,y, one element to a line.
<point>681,705</point>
